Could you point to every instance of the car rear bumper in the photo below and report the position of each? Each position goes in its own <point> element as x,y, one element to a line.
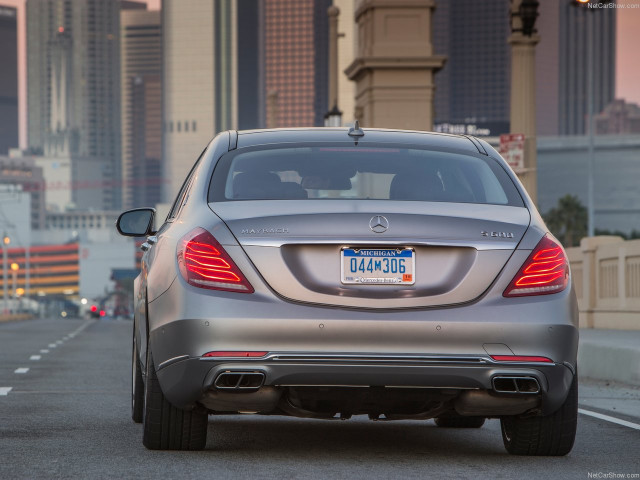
<point>186,381</point>
<point>311,345</point>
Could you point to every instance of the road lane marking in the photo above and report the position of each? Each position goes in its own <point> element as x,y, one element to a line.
<point>35,357</point>
<point>52,345</point>
<point>59,342</point>
<point>607,418</point>
<point>21,370</point>
<point>4,391</point>
<point>44,350</point>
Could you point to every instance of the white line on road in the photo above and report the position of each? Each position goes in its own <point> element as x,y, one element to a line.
<point>4,391</point>
<point>35,357</point>
<point>21,370</point>
<point>607,418</point>
<point>44,350</point>
<point>52,345</point>
<point>59,342</point>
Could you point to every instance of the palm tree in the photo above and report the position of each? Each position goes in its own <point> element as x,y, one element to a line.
<point>568,220</point>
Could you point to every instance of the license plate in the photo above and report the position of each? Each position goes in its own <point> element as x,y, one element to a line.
<point>378,266</point>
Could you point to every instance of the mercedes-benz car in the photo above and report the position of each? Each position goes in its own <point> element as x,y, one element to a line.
<point>332,272</point>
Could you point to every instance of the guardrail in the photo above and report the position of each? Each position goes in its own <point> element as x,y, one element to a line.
<point>606,275</point>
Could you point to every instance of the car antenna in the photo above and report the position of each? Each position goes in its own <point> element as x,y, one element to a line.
<point>356,131</point>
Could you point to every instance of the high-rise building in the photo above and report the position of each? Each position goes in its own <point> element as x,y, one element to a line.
<point>8,79</point>
<point>211,79</point>
<point>618,118</point>
<point>73,92</point>
<point>562,64</point>
<point>472,89</point>
<point>141,69</point>
<point>296,59</point>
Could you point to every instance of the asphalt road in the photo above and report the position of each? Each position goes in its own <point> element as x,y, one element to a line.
<point>68,416</point>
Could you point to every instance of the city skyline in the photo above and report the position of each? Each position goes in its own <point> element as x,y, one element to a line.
<point>627,67</point>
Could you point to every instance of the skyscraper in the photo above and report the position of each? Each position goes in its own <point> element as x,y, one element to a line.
<point>73,92</point>
<point>8,79</point>
<point>561,65</point>
<point>141,55</point>
<point>472,89</point>
<point>296,59</point>
<point>211,79</point>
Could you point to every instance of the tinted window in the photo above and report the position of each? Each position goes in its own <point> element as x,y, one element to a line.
<point>361,173</point>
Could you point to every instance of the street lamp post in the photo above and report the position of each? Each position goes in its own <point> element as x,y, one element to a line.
<point>5,244</point>
<point>333,118</point>
<point>14,273</point>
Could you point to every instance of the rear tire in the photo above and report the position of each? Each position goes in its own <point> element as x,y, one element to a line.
<point>459,422</point>
<point>552,435</point>
<point>165,426</point>
<point>137,385</point>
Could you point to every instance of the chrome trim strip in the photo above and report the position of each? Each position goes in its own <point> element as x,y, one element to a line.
<point>171,361</point>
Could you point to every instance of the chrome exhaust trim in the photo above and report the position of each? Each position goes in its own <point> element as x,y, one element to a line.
<point>238,380</point>
<point>515,384</point>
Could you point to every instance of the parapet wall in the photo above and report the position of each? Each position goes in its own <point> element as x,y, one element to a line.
<point>606,274</point>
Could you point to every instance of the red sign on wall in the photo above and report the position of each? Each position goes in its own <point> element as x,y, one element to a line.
<point>512,150</point>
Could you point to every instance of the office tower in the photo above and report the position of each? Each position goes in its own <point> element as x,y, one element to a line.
<point>8,79</point>
<point>73,93</point>
<point>141,69</point>
<point>296,59</point>
<point>473,88</point>
<point>211,79</point>
<point>562,63</point>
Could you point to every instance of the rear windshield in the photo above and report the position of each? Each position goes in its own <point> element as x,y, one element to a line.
<point>361,173</point>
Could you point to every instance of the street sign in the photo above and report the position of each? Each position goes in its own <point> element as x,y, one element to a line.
<point>512,150</point>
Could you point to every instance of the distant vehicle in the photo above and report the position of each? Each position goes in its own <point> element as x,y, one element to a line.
<point>325,273</point>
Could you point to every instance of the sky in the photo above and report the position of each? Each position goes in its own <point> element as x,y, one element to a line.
<point>627,56</point>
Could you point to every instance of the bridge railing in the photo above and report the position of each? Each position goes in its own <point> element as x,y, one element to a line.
<point>606,274</point>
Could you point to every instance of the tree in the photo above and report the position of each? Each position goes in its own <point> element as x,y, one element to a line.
<point>568,220</point>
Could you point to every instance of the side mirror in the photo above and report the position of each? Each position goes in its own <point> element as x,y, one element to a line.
<point>136,223</point>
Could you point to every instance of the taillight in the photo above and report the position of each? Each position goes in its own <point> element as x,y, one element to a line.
<point>204,263</point>
<point>545,271</point>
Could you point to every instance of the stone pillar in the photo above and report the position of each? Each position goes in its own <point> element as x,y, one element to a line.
<point>588,246</point>
<point>394,64</point>
<point>523,97</point>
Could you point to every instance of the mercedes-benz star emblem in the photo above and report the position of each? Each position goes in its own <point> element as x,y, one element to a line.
<point>378,224</point>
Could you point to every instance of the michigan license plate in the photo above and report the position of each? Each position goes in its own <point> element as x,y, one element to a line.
<point>378,266</point>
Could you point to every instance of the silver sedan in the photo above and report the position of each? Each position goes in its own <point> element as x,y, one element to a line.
<point>325,273</point>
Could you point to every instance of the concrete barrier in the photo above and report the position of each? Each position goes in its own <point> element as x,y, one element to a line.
<point>606,275</point>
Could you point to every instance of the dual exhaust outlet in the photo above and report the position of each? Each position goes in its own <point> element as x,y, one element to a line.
<point>502,384</point>
<point>251,381</point>
<point>245,381</point>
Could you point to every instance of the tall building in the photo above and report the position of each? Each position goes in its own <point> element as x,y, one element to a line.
<point>296,59</point>
<point>73,92</point>
<point>8,79</point>
<point>473,88</point>
<point>211,78</point>
<point>141,64</point>
<point>618,118</point>
<point>561,65</point>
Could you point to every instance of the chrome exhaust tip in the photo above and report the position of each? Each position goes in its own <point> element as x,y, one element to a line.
<point>234,380</point>
<point>526,385</point>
